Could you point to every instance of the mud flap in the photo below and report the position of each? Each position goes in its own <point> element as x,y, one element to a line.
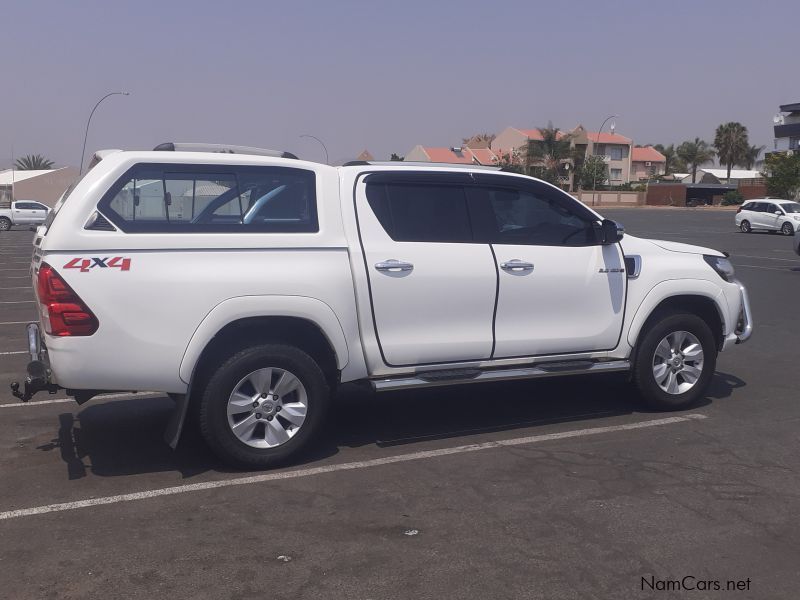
<point>173,431</point>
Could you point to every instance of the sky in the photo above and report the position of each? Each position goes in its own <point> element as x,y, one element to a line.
<point>385,76</point>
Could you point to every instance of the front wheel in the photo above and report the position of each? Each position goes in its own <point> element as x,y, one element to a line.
<point>787,229</point>
<point>745,226</point>
<point>675,361</point>
<point>5,224</point>
<point>263,405</point>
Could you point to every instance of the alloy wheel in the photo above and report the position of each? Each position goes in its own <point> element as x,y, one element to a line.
<point>678,362</point>
<point>267,407</point>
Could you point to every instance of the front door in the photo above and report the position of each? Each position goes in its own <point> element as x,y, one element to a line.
<point>560,291</point>
<point>432,286</point>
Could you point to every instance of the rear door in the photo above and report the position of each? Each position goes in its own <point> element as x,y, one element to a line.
<point>432,286</point>
<point>560,291</point>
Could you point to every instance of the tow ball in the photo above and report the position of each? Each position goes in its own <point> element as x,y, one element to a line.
<point>36,381</point>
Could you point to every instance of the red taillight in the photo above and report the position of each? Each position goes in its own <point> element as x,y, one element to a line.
<point>63,312</point>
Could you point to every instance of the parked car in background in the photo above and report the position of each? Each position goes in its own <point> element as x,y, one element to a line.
<point>23,212</point>
<point>769,214</point>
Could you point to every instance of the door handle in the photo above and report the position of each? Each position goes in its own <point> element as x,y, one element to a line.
<point>517,265</point>
<point>394,265</point>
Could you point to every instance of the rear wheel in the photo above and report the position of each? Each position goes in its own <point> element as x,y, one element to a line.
<point>787,229</point>
<point>5,224</point>
<point>745,226</point>
<point>263,405</point>
<point>675,361</point>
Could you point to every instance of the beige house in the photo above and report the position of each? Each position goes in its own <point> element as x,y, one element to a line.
<point>45,186</point>
<point>614,148</point>
<point>647,163</point>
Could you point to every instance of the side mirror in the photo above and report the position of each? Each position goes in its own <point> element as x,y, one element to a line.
<point>778,213</point>
<point>610,232</point>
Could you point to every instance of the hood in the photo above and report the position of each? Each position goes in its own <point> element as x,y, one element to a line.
<point>634,245</point>
<point>687,248</point>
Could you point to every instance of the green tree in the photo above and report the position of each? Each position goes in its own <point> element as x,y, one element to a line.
<point>782,175</point>
<point>594,173</point>
<point>33,162</point>
<point>750,157</point>
<point>546,158</point>
<point>673,164</point>
<point>396,156</point>
<point>732,144</point>
<point>694,154</point>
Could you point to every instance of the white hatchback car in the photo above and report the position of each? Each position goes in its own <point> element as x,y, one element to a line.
<point>769,214</point>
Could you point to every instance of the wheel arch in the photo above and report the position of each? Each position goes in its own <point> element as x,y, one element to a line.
<point>705,300</point>
<point>301,321</point>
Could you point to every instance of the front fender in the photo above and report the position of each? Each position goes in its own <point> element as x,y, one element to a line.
<point>678,287</point>
<point>242,307</point>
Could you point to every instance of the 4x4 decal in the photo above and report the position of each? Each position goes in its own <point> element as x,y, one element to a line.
<point>84,264</point>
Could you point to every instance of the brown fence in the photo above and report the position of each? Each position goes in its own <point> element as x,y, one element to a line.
<point>599,198</point>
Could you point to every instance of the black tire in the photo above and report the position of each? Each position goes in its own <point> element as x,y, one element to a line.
<point>213,404</point>
<point>787,229</point>
<point>745,226</point>
<point>643,376</point>
<point>5,224</point>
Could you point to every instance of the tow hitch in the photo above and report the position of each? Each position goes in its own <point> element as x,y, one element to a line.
<point>38,378</point>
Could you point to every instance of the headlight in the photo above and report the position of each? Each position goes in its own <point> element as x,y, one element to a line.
<point>721,265</point>
<point>796,217</point>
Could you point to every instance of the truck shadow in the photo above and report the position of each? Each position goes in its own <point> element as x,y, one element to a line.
<point>124,437</point>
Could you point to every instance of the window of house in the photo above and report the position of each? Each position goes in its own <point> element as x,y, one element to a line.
<point>616,174</point>
<point>616,153</point>
<point>189,198</point>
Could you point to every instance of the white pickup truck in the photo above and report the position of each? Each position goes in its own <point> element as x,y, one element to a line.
<point>248,284</point>
<point>23,212</point>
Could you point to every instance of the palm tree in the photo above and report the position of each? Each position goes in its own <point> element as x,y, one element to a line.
<point>750,157</point>
<point>673,163</point>
<point>694,154</point>
<point>732,144</point>
<point>549,154</point>
<point>33,162</point>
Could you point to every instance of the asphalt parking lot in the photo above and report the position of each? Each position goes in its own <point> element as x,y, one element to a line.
<point>546,489</point>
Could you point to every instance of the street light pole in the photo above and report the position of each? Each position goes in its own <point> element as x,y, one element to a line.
<point>313,137</point>
<point>594,175</point>
<point>86,134</point>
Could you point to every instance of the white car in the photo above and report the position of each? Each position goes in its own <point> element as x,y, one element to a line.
<point>769,214</point>
<point>248,284</point>
<point>23,212</point>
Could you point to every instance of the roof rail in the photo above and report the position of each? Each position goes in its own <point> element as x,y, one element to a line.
<point>221,148</point>
<point>401,163</point>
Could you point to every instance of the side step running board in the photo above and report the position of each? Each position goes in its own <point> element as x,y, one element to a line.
<point>457,376</point>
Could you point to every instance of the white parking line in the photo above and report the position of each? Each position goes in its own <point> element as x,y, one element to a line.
<point>22,287</point>
<point>14,322</point>
<point>101,397</point>
<point>17,302</point>
<point>786,269</point>
<point>14,352</point>
<point>735,256</point>
<point>350,466</point>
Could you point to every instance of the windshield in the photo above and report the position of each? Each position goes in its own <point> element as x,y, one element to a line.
<point>791,207</point>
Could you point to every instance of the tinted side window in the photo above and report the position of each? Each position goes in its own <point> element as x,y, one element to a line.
<point>421,212</point>
<point>181,198</point>
<point>525,217</point>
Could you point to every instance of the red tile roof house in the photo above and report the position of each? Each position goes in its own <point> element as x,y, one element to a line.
<point>647,163</point>
<point>466,156</point>
<point>614,147</point>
